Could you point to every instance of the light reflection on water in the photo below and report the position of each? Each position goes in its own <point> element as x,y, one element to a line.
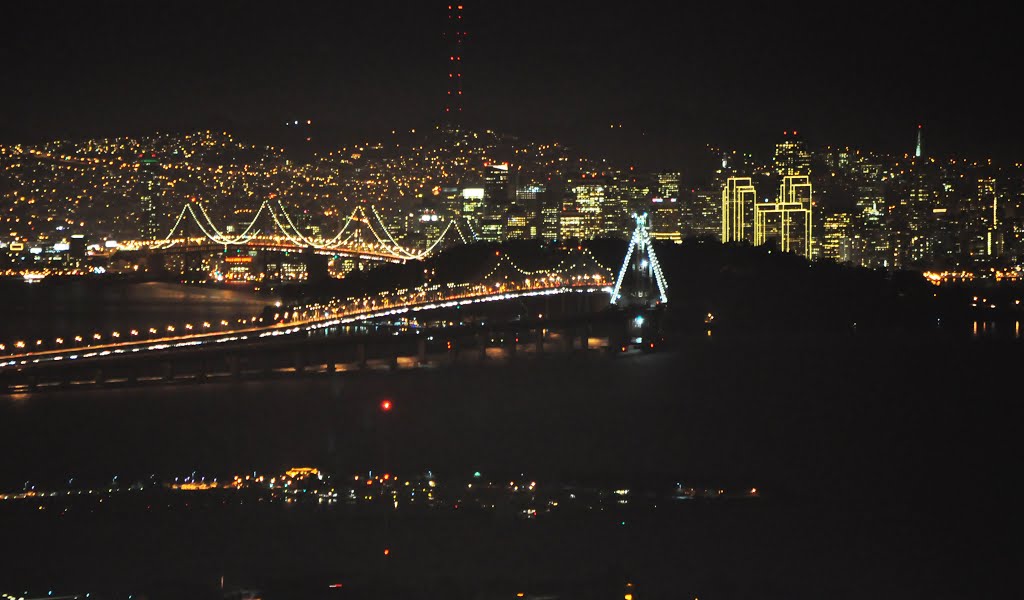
<point>991,330</point>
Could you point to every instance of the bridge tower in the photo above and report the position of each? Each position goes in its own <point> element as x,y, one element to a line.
<point>640,291</point>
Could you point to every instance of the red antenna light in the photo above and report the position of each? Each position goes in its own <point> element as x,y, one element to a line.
<point>385,405</point>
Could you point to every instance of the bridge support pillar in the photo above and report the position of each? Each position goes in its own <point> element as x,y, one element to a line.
<point>540,340</point>
<point>585,338</point>
<point>361,355</point>
<point>329,367</point>
<point>513,341</point>
<point>201,371</point>
<point>33,383</point>
<point>133,375</point>
<point>168,371</point>
<point>393,359</point>
<point>421,351</point>
<point>299,360</point>
<point>100,378</point>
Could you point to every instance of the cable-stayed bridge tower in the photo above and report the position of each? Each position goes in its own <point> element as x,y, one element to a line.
<point>640,282</point>
<point>641,290</point>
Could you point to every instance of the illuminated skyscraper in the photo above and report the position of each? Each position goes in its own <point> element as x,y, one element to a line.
<point>791,156</point>
<point>920,143</point>
<point>590,197</point>
<point>496,202</point>
<point>988,205</point>
<point>496,188</point>
<point>519,226</point>
<point>664,220</point>
<point>737,194</point>
<point>423,227</point>
<point>668,185</point>
<point>837,241</point>
<point>550,208</point>
<point>570,224</point>
<point>664,211</point>
<point>528,203</point>
<point>149,195</point>
<point>871,244</point>
<point>472,205</point>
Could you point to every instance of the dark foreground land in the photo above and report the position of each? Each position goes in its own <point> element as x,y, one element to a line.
<point>885,465</point>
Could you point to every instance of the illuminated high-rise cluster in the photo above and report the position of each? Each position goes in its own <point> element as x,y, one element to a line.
<point>795,200</point>
<point>456,34</point>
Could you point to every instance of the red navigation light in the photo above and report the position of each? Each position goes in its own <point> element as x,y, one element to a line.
<point>387,551</point>
<point>385,405</point>
<point>336,585</point>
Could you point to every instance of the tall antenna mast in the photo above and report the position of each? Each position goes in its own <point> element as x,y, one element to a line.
<point>456,34</point>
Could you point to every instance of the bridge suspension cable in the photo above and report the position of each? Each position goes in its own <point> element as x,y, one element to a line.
<point>286,226</point>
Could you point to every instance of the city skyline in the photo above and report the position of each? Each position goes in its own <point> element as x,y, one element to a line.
<point>675,79</point>
<point>430,189</point>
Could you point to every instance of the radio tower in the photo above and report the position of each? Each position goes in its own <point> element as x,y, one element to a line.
<point>455,34</point>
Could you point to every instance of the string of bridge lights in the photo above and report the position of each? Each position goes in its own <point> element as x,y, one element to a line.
<point>331,313</point>
<point>335,309</point>
<point>287,227</point>
<point>561,270</point>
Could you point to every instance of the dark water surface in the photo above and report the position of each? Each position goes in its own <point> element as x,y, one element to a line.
<point>885,465</point>
<point>68,307</point>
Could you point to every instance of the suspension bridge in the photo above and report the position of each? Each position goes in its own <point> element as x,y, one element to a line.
<point>363,234</point>
<point>324,335</point>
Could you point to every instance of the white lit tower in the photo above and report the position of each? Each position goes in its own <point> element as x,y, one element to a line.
<point>640,282</point>
<point>640,291</point>
<point>455,34</point>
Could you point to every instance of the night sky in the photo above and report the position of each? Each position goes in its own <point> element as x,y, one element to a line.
<point>676,75</point>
